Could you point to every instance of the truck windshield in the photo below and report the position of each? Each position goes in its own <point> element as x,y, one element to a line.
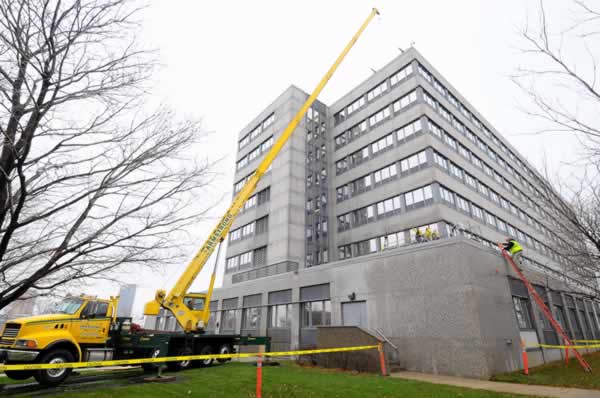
<point>69,306</point>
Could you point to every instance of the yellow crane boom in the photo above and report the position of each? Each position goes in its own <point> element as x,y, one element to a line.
<point>187,317</point>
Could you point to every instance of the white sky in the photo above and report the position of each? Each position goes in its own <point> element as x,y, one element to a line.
<point>225,61</point>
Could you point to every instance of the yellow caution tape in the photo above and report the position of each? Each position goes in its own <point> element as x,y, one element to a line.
<point>576,347</point>
<point>586,341</point>
<point>121,362</point>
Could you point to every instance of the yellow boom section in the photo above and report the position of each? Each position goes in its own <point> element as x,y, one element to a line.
<point>191,320</point>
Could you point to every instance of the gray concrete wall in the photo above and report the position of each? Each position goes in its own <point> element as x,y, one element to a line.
<point>446,304</point>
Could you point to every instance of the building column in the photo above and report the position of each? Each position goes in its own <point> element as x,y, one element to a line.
<point>295,321</point>
<point>568,323</point>
<point>537,325</point>
<point>596,315</point>
<point>584,332</point>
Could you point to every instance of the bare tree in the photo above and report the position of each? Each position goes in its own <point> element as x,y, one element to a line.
<point>562,86</point>
<point>88,181</point>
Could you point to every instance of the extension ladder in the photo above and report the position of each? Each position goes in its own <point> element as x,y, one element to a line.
<point>533,293</point>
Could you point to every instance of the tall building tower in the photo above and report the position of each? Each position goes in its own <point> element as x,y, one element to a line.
<point>383,211</point>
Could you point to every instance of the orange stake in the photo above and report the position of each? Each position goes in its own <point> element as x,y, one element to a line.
<point>259,377</point>
<point>382,359</point>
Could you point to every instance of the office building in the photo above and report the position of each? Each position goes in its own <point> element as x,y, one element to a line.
<point>330,235</point>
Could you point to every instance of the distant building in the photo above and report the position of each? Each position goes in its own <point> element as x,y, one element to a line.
<point>329,237</point>
<point>18,309</point>
<point>126,300</point>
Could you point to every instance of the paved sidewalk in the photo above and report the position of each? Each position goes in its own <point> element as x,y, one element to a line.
<point>513,388</point>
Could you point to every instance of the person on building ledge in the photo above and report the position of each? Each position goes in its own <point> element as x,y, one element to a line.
<point>418,235</point>
<point>428,236</point>
<point>515,250</point>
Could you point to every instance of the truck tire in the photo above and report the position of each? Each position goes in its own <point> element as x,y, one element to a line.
<point>151,367</point>
<point>225,349</point>
<point>53,377</point>
<point>19,374</point>
<point>180,365</point>
<point>203,363</point>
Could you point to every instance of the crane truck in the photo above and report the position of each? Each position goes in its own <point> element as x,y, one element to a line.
<point>86,328</point>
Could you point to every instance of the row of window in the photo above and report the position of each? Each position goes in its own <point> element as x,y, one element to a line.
<point>377,147</point>
<point>484,147</point>
<point>317,178</point>
<point>255,153</point>
<point>583,318</point>
<point>256,227</point>
<point>506,164</point>
<point>238,185</point>
<point>257,199</point>
<point>469,116</point>
<point>315,310</point>
<point>385,208</point>
<point>376,118</point>
<point>383,175</point>
<point>490,194</point>
<point>313,314</point>
<point>384,242</point>
<point>374,93</point>
<point>251,136</point>
<point>249,259</point>
<point>491,220</point>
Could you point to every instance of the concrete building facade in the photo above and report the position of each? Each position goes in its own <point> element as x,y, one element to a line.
<point>330,235</point>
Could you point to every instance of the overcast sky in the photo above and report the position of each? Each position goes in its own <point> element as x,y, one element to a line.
<point>225,61</point>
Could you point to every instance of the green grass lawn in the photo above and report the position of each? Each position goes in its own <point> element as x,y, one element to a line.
<point>288,380</point>
<point>559,374</point>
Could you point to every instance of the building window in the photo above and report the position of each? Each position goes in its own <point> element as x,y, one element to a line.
<point>356,105</point>
<point>389,206</point>
<point>359,156</point>
<point>392,240</point>
<point>401,75</point>
<point>385,174</point>
<point>440,160</point>
<point>477,211</point>
<point>521,306</point>
<point>377,91</point>
<point>228,320</point>
<point>280,316</point>
<point>341,166</point>
<point>250,318</point>
<point>316,313</point>
<point>434,128</point>
<point>408,130</point>
<point>405,101</point>
<point>417,196</point>
<point>379,116</point>
<point>447,195</point>
<point>382,144</point>
<point>345,252</point>
<point>413,161</point>
<point>456,171</point>
<point>462,204</point>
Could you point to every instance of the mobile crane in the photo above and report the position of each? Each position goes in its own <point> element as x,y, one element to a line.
<point>87,329</point>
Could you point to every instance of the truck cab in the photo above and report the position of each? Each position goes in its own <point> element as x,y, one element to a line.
<point>77,329</point>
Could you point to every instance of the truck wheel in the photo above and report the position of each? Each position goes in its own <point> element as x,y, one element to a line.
<point>225,349</point>
<point>19,374</point>
<point>206,350</point>
<point>180,365</point>
<point>52,377</point>
<point>151,367</point>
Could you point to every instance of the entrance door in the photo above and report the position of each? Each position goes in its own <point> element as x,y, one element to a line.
<point>354,314</point>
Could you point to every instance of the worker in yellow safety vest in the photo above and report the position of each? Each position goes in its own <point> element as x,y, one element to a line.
<point>515,250</point>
